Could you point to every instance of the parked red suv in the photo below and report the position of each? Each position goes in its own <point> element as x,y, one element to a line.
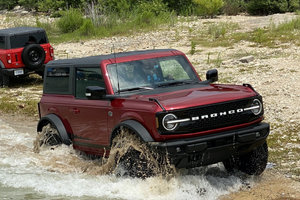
<point>157,96</point>
<point>23,50</point>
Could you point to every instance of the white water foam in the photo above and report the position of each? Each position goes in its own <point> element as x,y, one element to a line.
<point>21,168</point>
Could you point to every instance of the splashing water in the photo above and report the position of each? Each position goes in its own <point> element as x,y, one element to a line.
<point>61,172</point>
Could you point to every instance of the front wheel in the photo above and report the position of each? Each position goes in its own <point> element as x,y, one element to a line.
<point>136,157</point>
<point>252,163</point>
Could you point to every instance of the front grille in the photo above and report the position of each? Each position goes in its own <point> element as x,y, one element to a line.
<point>212,122</point>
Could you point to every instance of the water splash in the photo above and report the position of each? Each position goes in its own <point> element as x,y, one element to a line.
<point>64,173</point>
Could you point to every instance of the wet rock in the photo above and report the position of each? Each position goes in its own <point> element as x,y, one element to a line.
<point>246,59</point>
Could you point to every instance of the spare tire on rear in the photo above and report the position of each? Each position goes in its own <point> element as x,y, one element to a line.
<point>33,56</point>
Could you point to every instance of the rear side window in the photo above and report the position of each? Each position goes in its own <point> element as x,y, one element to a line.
<point>2,42</point>
<point>87,77</point>
<point>19,41</point>
<point>57,80</point>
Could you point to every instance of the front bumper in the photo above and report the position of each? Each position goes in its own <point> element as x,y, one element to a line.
<point>213,148</point>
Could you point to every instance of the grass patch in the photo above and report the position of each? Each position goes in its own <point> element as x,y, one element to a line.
<point>22,97</point>
<point>66,29</point>
<point>284,147</point>
<point>225,35</point>
<point>216,61</point>
<point>216,34</point>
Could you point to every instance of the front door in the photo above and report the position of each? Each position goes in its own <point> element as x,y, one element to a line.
<point>89,121</point>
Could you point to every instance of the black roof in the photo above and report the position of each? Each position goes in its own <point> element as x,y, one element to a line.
<point>19,30</point>
<point>96,60</point>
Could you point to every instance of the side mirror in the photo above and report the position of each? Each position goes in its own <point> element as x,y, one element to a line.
<point>212,75</point>
<point>95,92</point>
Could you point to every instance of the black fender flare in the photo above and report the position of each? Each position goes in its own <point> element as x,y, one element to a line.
<point>136,127</point>
<point>55,121</point>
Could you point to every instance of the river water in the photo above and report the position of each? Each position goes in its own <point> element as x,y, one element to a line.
<point>61,173</point>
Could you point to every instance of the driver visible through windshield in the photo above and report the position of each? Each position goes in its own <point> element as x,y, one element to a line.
<point>150,73</point>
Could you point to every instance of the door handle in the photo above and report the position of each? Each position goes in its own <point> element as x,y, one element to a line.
<point>76,110</point>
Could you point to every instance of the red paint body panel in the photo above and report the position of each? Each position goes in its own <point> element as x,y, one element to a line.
<point>16,56</point>
<point>200,96</point>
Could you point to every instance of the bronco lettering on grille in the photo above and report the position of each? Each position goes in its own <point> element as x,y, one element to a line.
<point>223,113</point>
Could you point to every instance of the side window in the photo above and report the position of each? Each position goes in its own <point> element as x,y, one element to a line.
<point>172,68</point>
<point>2,42</point>
<point>18,41</point>
<point>57,80</point>
<point>85,77</point>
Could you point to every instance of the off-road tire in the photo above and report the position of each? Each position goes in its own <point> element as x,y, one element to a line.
<point>4,79</point>
<point>135,162</point>
<point>252,163</point>
<point>50,136</point>
<point>33,56</point>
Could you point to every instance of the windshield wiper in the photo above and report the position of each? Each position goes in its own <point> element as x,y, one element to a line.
<point>136,88</point>
<point>175,83</point>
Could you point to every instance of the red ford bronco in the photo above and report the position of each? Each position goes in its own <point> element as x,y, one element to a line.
<point>158,96</point>
<point>23,50</point>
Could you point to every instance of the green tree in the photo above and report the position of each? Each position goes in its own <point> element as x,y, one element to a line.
<point>182,7</point>
<point>208,8</point>
<point>233,7</point>
<point>266,7</point>
<point>5,4</point>
<point>29,4</point>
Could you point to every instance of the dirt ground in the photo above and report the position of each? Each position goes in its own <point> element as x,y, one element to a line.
<point>274,73</point>
<point>271,185</point>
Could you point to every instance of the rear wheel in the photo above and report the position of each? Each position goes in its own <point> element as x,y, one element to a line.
<point>4,79</point>
<point>252,163</point>
<point>49,136</point>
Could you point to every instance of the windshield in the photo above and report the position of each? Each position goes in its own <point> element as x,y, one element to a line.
<point>150,73</point>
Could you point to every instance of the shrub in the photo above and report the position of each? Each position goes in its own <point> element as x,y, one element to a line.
<point>50,5</point>
<point>181,7</point>
<point>193,47</point>
<point>265,7</point>
<point>70,21</point>
<point>120,7</point>
<point>217,30</point>
<point>259,36</point>
<point>29,4</point>
<point>149,12</point>
<point>4,4</point>
<point>233,7</point>
<point>293,5</point>
<point>208,8</point>
<point>87,28</point>
<point>155,6</point>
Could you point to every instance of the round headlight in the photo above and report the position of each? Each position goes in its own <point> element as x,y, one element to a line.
<point>257,107</point>
<point>167,122</point>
